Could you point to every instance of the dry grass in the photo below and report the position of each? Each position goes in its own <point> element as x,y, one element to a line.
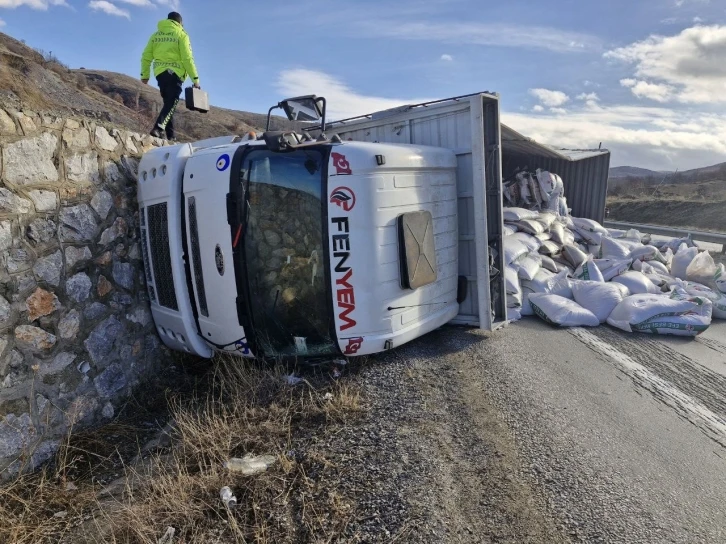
<point>247,409</point>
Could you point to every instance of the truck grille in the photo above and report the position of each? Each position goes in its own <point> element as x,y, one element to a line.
<point>196,257</point>
<point>158,225</point>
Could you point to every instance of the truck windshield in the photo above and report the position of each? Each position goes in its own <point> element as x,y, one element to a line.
<point>284,252</point>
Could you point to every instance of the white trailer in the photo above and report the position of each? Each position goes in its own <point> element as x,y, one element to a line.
<point>293,246</point>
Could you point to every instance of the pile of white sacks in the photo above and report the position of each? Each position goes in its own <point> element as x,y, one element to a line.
<point>573,272</point>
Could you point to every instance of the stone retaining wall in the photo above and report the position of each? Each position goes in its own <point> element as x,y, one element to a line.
<point>76,332</point>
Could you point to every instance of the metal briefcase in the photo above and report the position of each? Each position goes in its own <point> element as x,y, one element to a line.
<point>197,99</point>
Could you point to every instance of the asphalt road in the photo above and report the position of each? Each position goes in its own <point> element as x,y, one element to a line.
<point>624,435</point>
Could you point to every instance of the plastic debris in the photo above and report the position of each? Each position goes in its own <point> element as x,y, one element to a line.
<point>250,464</point>
<point>228,499</point>
<point>293,380</point>
<point>168,537</point>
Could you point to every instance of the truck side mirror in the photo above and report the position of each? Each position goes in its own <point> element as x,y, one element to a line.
<point>307,108</point>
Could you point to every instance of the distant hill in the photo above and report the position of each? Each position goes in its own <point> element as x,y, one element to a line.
<point>36,80</point>
<point>632,171</point>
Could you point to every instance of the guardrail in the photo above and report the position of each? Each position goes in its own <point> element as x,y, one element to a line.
<point>698,235</point>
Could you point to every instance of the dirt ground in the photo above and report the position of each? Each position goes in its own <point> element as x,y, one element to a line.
<point>694,205</point>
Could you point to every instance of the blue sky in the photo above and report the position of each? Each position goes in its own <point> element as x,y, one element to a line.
<point>646,78</point>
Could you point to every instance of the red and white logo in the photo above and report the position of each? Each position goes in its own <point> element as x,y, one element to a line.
<point>343,197</point>
<point>354,344</point>
<point>342,166</point>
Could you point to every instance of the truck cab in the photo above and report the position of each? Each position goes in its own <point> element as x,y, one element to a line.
<point>285,247</point>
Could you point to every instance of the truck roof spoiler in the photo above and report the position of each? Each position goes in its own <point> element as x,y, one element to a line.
<point>214,142</point>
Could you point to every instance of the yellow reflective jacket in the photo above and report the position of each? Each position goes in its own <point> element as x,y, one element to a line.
<point>169,48</point>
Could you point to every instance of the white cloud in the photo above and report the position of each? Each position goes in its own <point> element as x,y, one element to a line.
<point>588,96</point>
<point>343,101</point>
<point>2,23</point>
<point>447,58</point>
<point>654,91</point>
<point>108,8</point>
<point>493,34</point>
<point>688,67</point>
<point>697,20</point>
<point>550,98</point>
<point>140,3</point>
<point>538,109</point>
<point>558,111</point>
<point>34,4</point>
<point>669,20</point>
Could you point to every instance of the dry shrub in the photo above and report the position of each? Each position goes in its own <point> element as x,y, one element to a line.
<point>250,410</point>
<point>246,409</point>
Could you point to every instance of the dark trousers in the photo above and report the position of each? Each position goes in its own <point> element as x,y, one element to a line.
<point>170,86</point>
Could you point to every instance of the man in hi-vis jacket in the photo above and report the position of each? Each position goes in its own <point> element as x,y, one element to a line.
<point>170,51</point>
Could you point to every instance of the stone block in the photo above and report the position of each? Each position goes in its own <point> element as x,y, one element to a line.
<point>104,259</point>
<point>44,201</point>
<point>48,269</point>
<point>7,126</point>
<point>12,203</point>
<point>41,303</point>
<point>78,287</point>
<point>99,343</point>
<point>76,255</point>
<point>72,124</point>
<point>95,311</point>
<point>59,363</point>
<point>110,381</point>
<point>70,325</point>
<point>130,145</point>
<point>114,232</point>
<point>6,235</point>
<point>141,316</point>
<point>123,274</point>
<point>78,224</point>
<point>51,122</point>
<point>83,168</point>
<point>35,338</point>
<point>6,312</point>
<point>104,286</point>
<point>41,231</point>
<point>104,140</point>
<point>30,161</point>
<point>27,124</point>
<point>111,173</point>
<point>16,434</point>
<point>102,202</point>
<point>76,138</point>
<point>108,411</point>
<point>18,260</point>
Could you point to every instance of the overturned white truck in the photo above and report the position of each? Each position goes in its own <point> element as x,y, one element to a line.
<point>290,245</point>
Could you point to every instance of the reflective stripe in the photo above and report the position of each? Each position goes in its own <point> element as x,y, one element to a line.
<point>171,114</point>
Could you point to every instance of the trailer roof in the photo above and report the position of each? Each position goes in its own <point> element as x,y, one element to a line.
<point>512,141</point>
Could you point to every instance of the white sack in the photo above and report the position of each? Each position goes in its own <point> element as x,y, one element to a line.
<point>589,225</point>
<point>574,256</point>
<point>557,310</point>
<point>513,249</point>
<point>682,260</point>
<point>600,298</point>
<point>592,238</point>
<point>511,281</point>
<point>588,271</point>
<point>509,230</point>
<point>613,249</point>
<point>548,264</point>
<point>702,270</point>
<point>530,226</point>
<point>717,298</point>
<point>557,231</point>
<point>514,300</point>
<point>546,218</point>
<point>611,268</point>
<point>720,278</point>
<point>645,253</point>
<point>532,243</point>
<point>549,248</point>
<point>637,283</point>
<point>512,215</point>
<point>659,314</point>
<point>528,265</point>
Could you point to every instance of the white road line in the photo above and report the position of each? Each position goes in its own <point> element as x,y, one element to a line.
<point>711,424</point>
